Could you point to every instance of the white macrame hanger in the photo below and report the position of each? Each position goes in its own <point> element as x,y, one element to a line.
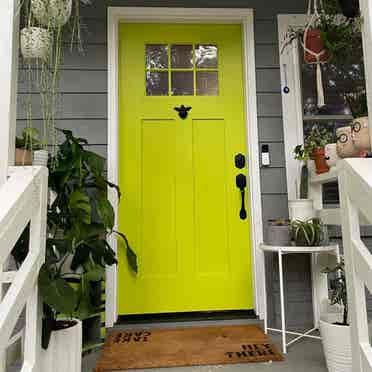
<point>313,11</point>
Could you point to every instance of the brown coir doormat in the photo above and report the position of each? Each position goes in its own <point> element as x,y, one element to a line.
<point>186,347</point>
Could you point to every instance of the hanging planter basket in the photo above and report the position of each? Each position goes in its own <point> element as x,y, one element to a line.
<point>350,8</point>
<point>35,43</point>
<point>53,13</point>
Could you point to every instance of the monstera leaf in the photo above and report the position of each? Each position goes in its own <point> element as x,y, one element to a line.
<point>80,208</point>
<point>56,292</point>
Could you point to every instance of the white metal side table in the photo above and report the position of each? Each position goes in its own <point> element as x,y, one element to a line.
<point>319,284</point>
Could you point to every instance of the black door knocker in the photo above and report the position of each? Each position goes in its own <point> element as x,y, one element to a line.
<point>183,111</point>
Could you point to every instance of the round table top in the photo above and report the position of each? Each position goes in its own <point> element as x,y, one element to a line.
<point>293,249</point>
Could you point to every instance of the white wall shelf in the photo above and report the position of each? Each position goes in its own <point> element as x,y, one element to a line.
<point>327,117</point>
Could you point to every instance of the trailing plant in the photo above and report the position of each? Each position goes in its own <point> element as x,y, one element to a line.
<point>341,36</point>
<point>307,233</point>
<point>48,18</point>
<point>338,289</point>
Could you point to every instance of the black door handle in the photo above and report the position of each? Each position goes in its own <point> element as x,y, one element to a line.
<point>241,184</point>
<point>183,111</point>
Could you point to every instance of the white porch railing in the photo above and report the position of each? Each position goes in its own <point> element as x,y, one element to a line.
<point>23,200</point>
<point>355,180</point>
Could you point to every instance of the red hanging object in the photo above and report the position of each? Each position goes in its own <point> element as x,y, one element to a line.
<point>315,51</point>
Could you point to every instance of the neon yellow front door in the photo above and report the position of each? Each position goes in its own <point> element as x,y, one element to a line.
<point>181,207</point>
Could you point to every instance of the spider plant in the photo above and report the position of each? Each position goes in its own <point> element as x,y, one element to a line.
<point>307,233</point>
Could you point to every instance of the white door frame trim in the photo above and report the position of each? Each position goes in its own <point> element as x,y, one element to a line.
<point>183,15</point>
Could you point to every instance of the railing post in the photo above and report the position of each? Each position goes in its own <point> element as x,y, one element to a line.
<point>366,12</point>
<point>9,35</point>
<point>32,349</point>
<point>355,288</point>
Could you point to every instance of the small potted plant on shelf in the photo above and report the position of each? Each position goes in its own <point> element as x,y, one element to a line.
<point>314,146</point>
<point>278,232</point>
<point>25,146</point>
<point>302,207</point>
<point>308,233</point>
<point>334,327</point>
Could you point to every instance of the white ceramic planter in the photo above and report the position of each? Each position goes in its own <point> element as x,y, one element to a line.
<point>52,13</point>
<point>35,43</point>
<point>64,351</point>
<point>40,157</point>
<point>336,341</point>
<point>331,154</point>
<point>301,209</point>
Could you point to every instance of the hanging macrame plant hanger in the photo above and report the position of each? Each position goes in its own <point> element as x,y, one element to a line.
<point>314,51</point>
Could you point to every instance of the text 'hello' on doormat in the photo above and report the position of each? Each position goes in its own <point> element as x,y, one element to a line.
<point>174,347</point>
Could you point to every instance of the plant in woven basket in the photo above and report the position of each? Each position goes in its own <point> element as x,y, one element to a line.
<point>307,233</point>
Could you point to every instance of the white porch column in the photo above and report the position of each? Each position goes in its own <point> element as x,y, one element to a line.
<point>9,36</point>
<point>366,12</point>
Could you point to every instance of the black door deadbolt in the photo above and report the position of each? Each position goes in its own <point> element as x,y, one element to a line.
<point>239,161</point>
<point>182,111</point>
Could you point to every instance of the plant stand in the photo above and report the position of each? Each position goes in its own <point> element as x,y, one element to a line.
<point>317,283</point>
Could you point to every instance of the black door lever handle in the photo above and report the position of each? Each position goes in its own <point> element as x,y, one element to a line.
<point>241,184</point>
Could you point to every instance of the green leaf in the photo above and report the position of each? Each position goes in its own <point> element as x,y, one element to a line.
<point>81,255</point>
<point>95,274</point>
<point>80,207</point>
<point>95,162</point>
<point>106,212</point>
<point>56,292</point>
<point>131,255</point>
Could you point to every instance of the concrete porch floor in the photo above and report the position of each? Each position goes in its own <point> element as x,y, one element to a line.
<point>306,355</point>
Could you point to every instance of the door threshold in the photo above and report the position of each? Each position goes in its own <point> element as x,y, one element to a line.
<point>187,317</point>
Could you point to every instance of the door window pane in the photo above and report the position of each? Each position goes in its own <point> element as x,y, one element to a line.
<point>182,83</point>
<point>206,56</point>
<point>182,56</point>
<point>207,83</point>
<point>157,83</point>
<point>156,56</point>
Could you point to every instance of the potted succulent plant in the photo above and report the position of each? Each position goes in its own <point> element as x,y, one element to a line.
<point>308,233</point>
<point>334,327</point>
<point>25,146</point>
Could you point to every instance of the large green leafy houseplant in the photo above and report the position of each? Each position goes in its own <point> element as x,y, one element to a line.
<point>80,220</point>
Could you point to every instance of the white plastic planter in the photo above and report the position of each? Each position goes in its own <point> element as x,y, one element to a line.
<point>35,43</point>
<point>336,341</point>
<point>52,13</point>
<point>40,157</point>
<point>301,209</point>
<point>64,351</point>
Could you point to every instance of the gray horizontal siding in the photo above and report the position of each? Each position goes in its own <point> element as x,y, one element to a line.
<point>83,108</point>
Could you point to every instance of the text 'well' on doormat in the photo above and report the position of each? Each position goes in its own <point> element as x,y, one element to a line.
<point>186,347</point>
